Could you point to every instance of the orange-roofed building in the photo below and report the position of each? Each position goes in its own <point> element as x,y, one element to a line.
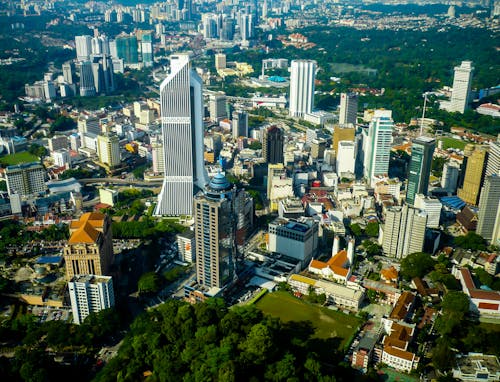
<point>337,267</point>
<point>389,275</point>
<point>89,250</point>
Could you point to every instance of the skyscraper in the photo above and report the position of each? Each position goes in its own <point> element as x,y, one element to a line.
<point>87,85</point>
<point>108,149</point>
<point>89,250</point>
<point>67,69</point>
<point>181,110</point>
<point>422,150</point>
<point>489,204</point>
<point>215,228</point>
<point>90,294</point>
<point>404,231</point>
<point>493,165</point>
<point>462,80</point>
<point>83,46</point>
<point>346,157</point>
<point>273,139</point>
<point>240,124</point>
<point>217,106</point>
<point>302,76</point>
<point>348,108</point>
<point>127,48</point>
<point>474,175</point>
<point>147,49</point>
<point>449,178</point>
<point>377,145</point>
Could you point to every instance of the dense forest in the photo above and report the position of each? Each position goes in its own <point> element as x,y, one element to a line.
<point>209,342</point>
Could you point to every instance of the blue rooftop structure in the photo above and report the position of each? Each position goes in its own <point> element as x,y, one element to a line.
<point>453,202</point>
<point>49,260</point>
<point>219,183</point>
<point>276,79</point>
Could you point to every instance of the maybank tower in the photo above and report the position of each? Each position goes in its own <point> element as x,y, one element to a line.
<point>181,103</point>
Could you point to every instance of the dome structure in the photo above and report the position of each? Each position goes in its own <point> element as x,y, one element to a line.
<point>219,183</point>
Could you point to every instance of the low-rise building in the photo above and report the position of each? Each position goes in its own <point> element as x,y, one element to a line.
<point>477,367</point>
<point>483,302</point>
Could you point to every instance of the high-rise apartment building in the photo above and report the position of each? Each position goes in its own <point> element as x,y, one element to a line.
<point>108,149</point>
<point>83,46</point>
<point>217,106</point>
<point>147,49</point>
<point>89,250</point>
<point>302,76</point>
<point>186,244</point>
<point>181,110</point>
<point>127,48</point>
<point>460,95</point>
<point>432,207</point>
<point>474,174</point>
<point>273,140</point>
<point>377,145</point>
<point>348,108</point>
<point>240,124</point>
<point>25,179</point>
<point>422,150</point>
<point>215,228</point>
<point>493,164</point>
<point>489,204</point>
<point>67,69</point>
<point>158,155</point>
<point>220,61</point>
<point>404,231</point>
<point>90,294</point>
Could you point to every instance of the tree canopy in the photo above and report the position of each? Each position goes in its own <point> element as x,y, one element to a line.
<point>416,265</point>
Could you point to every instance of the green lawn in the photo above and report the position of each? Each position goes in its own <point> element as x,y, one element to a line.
<point>452,143</point>
<point>17,158</point>
<point>328,323</point>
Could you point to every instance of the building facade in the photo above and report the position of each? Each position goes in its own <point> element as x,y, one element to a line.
<point>460,95</point>
<point>215,229</point>
<point>89,250</point>
<point>25,179</point>
<point>302,76</point>
<point>489,207</point>
<point>273,140</point>
<point>90,294</point>
<point>404,231</point>
<point>108,149</point>
<point>377,145</point>
<point>422,150</point>
<point>181,110</point>
<point>474,175</point>
<point>348,108</point>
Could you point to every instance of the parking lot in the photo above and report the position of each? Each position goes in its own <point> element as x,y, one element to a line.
<point>50,314</point>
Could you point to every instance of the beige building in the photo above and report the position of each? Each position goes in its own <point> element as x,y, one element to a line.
<point>474,174</point>
<point>89,250</point>
<point>342,133</point>
<point>108,149</point>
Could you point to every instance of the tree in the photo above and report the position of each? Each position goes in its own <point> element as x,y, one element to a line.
<point>37,150</point>
<point>471,241</point>
<point>372,229</point>
<point>149,283</point>
<point>355,229</point>
<point>416,265</point>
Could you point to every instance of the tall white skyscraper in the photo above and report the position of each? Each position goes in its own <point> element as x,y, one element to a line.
<point>377,144</point>
<point>181,110</point>
<point>83,46</point>
<point>493,164</point>
<point>449,178</point>
<point>404,231</point>
<point>302,75</point>
<point>348,108</point>
<point>90,294</point>
<point>461,87</point>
